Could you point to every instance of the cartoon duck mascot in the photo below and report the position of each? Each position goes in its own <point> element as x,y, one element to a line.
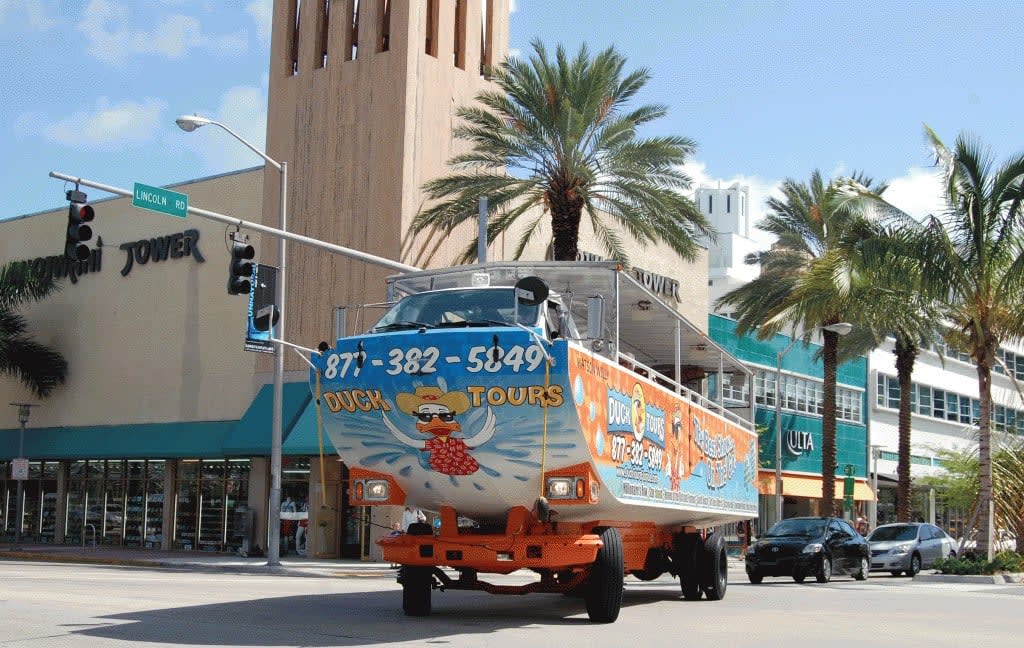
<point>435,411</point>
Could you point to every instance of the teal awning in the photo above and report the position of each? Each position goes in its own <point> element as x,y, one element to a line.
<point>251,435</point>
<point>303,439</point>
<point>203,439</point>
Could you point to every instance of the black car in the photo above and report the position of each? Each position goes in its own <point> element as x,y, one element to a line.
<point>809,546</point>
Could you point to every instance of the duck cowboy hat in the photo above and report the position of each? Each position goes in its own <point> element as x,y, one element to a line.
<point>455,401</point>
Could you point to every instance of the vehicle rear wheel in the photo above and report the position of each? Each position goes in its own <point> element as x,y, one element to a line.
<point>915,565</point>
<point>865,569</point>
<point>416,586</point>
<point>824,574</point>
<point>715,572</point>
<point>755,577</point>
<point>604,587</point>
<point>687,552</point>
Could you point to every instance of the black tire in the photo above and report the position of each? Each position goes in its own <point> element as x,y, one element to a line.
<point>604,587</point>
<point>654,566</point>
<point>687,551</point>
<point>715,568</point>
<point>915,565</point>
<point>952,555</point>
<point>824,574</point>
<point>755,577</point>
<point>416,586</point>
<point>865,569</point>
<point>799,578</point>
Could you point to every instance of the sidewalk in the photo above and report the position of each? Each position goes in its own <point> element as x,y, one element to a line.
<point>196,560</point>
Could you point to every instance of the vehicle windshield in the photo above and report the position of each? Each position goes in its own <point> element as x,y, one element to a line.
<point>896,532</point>
<point>796,527</point>
<point>456,308</point>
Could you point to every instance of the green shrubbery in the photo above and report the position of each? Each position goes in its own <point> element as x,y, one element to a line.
<point>1004,561</point>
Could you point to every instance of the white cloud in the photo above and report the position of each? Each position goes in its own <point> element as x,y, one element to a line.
<point>113,39</point>
<point>34,14</point>
<point>106,127</point>
<point>262,12</point>
<point>918,193</point>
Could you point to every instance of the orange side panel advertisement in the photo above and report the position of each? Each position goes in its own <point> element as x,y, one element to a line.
<point>652,446</point>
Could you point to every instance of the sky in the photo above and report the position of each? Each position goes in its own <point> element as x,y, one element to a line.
<point>768,89</point>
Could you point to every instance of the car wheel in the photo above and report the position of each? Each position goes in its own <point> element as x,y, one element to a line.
<point>799,578</point>
<point>824,574</point>
<point>865,568</point>
<point>952,555</point>
<point>915,565</point>
<point>895,572</point>
<point>755,577</point>
<point>603,595</point>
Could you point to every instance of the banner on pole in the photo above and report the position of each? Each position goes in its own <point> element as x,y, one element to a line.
<point>263,312</point>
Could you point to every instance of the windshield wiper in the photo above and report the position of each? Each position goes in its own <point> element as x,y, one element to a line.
<point>402,325</point>
<point>468,323</point>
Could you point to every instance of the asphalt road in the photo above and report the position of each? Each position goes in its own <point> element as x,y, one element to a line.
<point>55,605</point>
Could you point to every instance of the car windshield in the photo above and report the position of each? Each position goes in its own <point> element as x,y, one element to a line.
<point>896,532</point>
<point>456,308</point>
<point>795,527</point>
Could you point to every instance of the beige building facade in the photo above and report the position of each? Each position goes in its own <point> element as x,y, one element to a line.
<point>161,436</point>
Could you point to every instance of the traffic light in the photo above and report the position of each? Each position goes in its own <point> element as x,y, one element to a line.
<point>240,268</point>
<point>79,213</point>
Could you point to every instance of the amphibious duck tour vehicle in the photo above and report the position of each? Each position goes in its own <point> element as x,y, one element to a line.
<point>551,414</point>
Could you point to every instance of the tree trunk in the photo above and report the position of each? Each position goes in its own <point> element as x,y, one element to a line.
<point>828,423</point>
<point>566,209</point>
<point>984,362</point>
<point>906,353</point>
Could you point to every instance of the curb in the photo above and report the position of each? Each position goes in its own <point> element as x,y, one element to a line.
<point>91,560</point>
<point>972,579</point>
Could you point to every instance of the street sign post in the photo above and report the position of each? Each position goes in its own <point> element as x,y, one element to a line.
<point>19,468</point>
<point>160,200</point>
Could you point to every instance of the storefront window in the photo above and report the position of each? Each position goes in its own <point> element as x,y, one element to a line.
<point>239,521</point>
<point>211,505</point>
<point>186,504</point>
<point>207,494</point>
<point>154,512</point>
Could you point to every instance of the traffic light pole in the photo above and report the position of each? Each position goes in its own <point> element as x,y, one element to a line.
<point>391,264</point>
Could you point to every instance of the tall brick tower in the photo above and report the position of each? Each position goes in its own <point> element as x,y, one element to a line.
<point>362,102</point>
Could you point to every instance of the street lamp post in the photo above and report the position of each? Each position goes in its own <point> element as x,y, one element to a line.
<point>842,328</point>
<point>24,411</point>
<point>189,123</point>
<point>876,452</point>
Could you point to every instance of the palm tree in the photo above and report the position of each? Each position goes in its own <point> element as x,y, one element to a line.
<point>804,282</point>
<point>40,368</point>
<point>973,255</point>
<point>558,139</point>
<point>893,304</point>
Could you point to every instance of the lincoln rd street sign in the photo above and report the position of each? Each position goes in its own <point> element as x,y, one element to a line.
<point>160,200</point>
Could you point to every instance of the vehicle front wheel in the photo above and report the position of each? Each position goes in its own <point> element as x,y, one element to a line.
<point>865,568</point>
<point>416,585</point>
<point>915,565</point>
<point>604,587</point>
<point>824,574</point>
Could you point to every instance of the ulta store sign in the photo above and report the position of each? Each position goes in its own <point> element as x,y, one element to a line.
<point>137,253</point>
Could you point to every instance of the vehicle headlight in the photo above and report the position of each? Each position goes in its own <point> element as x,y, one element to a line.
<point>813,548</point>
<point>899,550</point>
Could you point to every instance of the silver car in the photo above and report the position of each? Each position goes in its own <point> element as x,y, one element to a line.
<point>908,547</point>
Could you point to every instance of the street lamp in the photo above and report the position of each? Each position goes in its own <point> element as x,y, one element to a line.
<point>24,411</point>
<point>842,328</point>
<point>189,123</point>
